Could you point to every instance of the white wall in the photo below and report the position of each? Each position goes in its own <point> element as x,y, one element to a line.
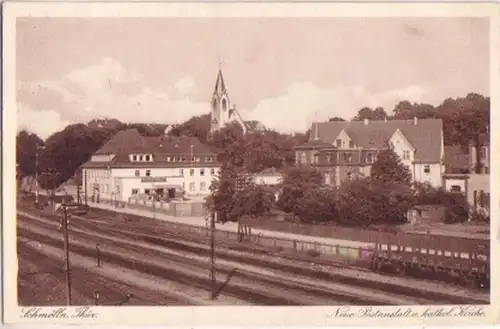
<point>125,179</point>
<point>434,177</point>
<point>404,150</point>
<point>267,179</point>
<point>450,182</point>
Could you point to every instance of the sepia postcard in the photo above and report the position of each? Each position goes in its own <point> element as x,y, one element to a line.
<point>250,164</point>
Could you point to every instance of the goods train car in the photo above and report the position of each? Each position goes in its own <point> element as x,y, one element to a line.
<point>465,259</point>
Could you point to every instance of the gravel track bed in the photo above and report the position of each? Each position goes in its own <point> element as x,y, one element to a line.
<point>42,282</point>
<point>333,274</point>
<point>156,266</point>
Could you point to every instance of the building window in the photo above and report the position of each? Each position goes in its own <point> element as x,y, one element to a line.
<point>427,169</point>
<point>303,158</point>
<point>406,155</point>
<point>140,157</point>
<point>148,172</point>
<point>192,187</point>
<point>212,171</point>
<point>134,157</point>
<point>147,191</point>
<point>351,144</point>
<point>148,158</point>
<point>203,186</point>
<point>178,159</point>
<point>135,191</point>
<point>369,157</point>
<point>338,143</point>
<point>137,173</point>
<point>486,170</point>
<point>191,172</point>
<point>482,153</point>
<point>347,157</point>
<point>183,159</point>
<point>456,188</point>
<point>181,172</point>
<point>202,172</point>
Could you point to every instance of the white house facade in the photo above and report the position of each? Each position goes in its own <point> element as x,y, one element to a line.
<point>130,165</point>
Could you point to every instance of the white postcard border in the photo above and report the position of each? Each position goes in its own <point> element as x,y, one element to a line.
<point>229,315</point>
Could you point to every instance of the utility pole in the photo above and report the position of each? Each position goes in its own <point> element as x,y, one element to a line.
<point>66,253</point>
<point>85,187</point>
<point>38,148</point>
<point>212,257</point>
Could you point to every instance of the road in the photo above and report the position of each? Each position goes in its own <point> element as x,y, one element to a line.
<point>146,264</point>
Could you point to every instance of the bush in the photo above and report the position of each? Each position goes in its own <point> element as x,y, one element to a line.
<point>366,202</point>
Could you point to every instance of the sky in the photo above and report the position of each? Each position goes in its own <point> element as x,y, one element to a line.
<point>284,72</point>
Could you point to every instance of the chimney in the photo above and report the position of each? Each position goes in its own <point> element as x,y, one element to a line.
<point>366,122</point>
<point>415,121</point>
<point>315,131</point>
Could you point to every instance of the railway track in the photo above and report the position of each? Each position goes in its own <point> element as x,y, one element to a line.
<point>253,286</point>
<point>190,248</point>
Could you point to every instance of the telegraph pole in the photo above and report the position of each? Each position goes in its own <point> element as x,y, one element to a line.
<point>85,187</point>
<point>212,256</point>
<point>66,253</point>
<point>38,148</point>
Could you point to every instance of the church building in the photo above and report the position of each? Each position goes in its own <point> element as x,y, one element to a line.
<point>224,112</point>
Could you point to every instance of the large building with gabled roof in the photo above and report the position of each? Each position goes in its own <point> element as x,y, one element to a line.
<point>131,165</point>
<point>224,112</point>
<point>347,149</point>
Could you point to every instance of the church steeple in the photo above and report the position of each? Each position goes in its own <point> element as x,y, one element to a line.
<point>222,111</point>
<point>220,86</point>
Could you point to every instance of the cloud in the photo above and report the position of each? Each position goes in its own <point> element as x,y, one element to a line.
<point>186,85</point>
<point>41,122</point>
<point>304,102</point>
<point>104,90</point>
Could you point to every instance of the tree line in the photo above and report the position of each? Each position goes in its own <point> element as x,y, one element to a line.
<point>466,120</point>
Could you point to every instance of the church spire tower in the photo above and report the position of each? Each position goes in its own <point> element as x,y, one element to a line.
<point>220,105</point>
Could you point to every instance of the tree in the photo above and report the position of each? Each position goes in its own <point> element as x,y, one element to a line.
<point>297,182</point>
<point>405,110</point>
<point>253,201</point>
<point>68,149</point>
<point>317,205</point>
<point>224,187</point>
<point>388,167</point>
<point>230,145</point>
<point>366,201</point>
<point>197,126</point>
<point>336,119</point>
<point>26,150</point>
<point>472,123</point>
<point>367,113</point>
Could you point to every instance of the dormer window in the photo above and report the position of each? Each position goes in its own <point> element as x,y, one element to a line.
<point>351,144</point>
<point>148,158</point>
<point>134,157</point>
<point>140,158</point>
<point>338,143</point>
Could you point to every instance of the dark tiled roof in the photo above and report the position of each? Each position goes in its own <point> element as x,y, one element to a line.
<point>425,136</point>
<point>314,144</point>
<point>130,141</point>
<point>455,159</point>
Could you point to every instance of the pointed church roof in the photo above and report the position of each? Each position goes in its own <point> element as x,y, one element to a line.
<point>220,86</point>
